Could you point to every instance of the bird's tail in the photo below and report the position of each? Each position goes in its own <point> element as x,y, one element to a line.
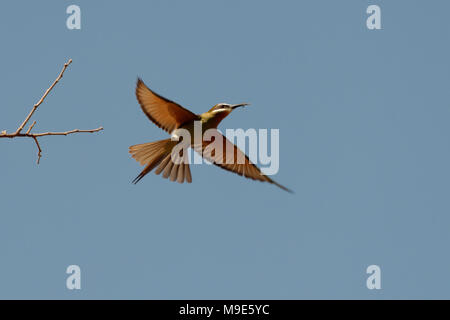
<point>159,154</point>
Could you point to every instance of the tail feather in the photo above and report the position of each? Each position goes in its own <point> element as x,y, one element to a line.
<point>167,170</point>
<point>180,177</point>
<point>174,173</point>
<point>158,155</point>
<point>187,173</point>
<point>163,164</point>
<point>147,169</point>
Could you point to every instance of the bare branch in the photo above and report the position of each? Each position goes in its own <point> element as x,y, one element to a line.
<point>66,133</point>
<point>31,127</point>
<point>43,97</point>
<point>34,136</point>
<point>39,150</point>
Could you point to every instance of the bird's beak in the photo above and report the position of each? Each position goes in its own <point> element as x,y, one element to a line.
<point>234,106</point>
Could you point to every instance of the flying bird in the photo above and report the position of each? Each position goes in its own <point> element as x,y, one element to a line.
<point>170,116</point>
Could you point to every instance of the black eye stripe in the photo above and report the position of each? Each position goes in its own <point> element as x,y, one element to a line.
<point>220,106</point>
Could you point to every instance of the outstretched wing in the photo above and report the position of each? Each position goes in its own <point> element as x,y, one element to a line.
<point>229,157</point>
<point>166,114</point>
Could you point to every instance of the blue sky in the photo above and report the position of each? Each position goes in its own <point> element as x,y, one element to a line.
<point>363,118</point>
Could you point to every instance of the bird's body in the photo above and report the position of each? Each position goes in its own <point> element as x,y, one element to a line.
<point>175,119</point>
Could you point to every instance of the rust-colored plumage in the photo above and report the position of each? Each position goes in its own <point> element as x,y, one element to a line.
<point>170,116</point>
<point>166,114</point>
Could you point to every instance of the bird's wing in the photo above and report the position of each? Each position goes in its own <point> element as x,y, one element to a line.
<point>231,158</point>
<point>166,114</point>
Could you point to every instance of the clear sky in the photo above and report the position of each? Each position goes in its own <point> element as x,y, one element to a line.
<point>364,143</point>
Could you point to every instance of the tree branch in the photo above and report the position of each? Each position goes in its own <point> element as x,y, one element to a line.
<point>34,136</point>
<point>39,149</point>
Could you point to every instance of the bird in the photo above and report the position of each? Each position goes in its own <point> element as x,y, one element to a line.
<point>170,116</point>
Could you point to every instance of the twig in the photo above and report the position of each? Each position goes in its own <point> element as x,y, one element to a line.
<point>34,136</point>
<point>31,127</point>
<point>39,149</point>
<point>43,97</point>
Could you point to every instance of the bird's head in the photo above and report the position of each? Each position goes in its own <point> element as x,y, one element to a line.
<point>226,108</point>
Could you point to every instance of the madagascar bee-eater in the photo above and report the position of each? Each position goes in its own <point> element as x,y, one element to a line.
<point>171,117</point>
